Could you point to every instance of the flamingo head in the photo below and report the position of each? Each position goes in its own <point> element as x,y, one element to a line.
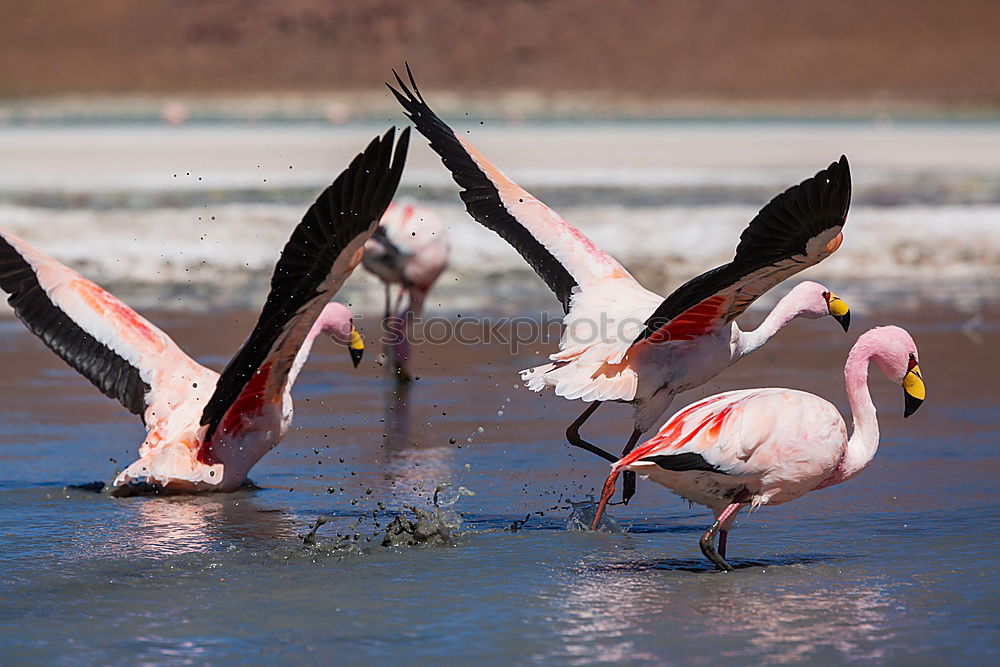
<point>815,301</point>
<point>895,353</point>
<point>337,322</point>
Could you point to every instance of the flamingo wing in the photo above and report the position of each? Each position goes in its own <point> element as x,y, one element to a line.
<point>119,351</point>
<point>732,433</point>
<point>558,252</point>
<point>746,432</point>
<point>683,442</point>
<point>322,252</point>
<point>797,229</point>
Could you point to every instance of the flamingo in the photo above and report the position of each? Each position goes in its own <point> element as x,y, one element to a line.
<point>409,248</point>
<point>205,430</point>
<point>769,446</point>
<point>622,342</point>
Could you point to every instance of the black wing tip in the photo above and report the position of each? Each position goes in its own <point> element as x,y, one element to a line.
<point>683,462</point>
<point>839,176</point>
<point>403,144</point>
<point>413,82</point>
<point>106,369</point>
<point>847,174</point>
<point>415,107</point>
<point>351,205</point>
<point>482,200</point>
<point>377,144</point>
<point>407,95</point>
<point>375,157</point>
<point>839,171</point>
<point>828,193</point>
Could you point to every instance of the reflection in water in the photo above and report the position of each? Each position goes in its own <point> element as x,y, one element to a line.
<point>623,612</point>
<point>599,616</point>
<point>415,469</point>
<point>397,414</point>
<point>790,625</point>
<point>167,526</point>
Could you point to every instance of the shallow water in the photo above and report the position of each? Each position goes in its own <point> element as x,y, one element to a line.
<point>896,566</point>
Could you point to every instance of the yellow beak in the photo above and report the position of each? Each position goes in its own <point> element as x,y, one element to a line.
<point>914,391</point>
<point>356,347</point>
<point>838,309</point>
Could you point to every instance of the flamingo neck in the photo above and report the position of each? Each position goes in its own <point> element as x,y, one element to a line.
<point>784,312</point>
<point>863,443</point>
<point>302,355</point>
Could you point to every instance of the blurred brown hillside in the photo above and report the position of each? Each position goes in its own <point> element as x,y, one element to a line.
<point>915,50</point>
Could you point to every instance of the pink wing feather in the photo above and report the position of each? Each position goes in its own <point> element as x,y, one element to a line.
<point>558,252</point>
<point>118,350</point>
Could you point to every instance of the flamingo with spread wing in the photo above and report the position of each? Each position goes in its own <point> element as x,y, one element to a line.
<point>622,342</point>
<point>205,430</point>
<point>769,446</point>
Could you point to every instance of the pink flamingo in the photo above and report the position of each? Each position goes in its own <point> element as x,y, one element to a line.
<point>205,430</point>
<point>770,446</point>
<point>409,248</point>
<point>622,342</point>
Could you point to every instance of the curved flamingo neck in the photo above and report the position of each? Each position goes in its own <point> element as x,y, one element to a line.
<point>784,312</point>
<point>863,443</point>
<point>303,354</point>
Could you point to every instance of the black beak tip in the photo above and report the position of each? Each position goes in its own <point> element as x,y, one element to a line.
<point>911,405</point>
<point>845,320</point>
<point>356,356</point>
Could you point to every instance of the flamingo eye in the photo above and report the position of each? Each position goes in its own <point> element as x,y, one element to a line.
<point>912,363</point>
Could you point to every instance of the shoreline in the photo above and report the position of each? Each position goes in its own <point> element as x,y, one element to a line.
<point>510,106</point>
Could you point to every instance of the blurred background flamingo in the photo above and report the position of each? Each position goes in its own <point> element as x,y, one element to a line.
<point>409,250</point>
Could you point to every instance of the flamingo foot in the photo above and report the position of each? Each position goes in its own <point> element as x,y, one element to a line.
<point>709,551</point>
<point>707,542</point>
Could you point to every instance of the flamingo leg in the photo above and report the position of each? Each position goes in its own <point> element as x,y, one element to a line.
<point>386,323</point>
<point>628,477</point>
<point>398,308</point>
<point>573,435</point>
<point>708,539</point>
<point>402,350</point>
<point>723,536</point>
<point>394,350</point>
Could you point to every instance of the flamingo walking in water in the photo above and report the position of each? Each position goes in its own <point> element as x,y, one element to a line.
<point>205,430</point>
<point>410,249</point>
<point>769,446</point>
<point>622,342</point>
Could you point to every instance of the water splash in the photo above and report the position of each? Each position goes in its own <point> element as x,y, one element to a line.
<point>581,517</point>
<point>436,527</point>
